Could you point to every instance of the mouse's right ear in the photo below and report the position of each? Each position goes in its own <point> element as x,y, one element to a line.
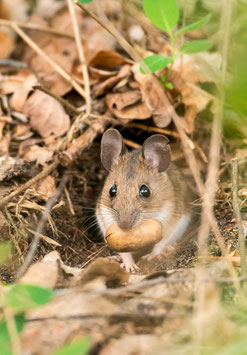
<point>112,147</point>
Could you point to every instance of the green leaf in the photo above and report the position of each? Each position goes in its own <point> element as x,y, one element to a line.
<point>195,47</point>
<point>169,86</point>
<point>153,63</point>
<point>81,347</point>
<point>5,251</point>
<point>164,14</point>
<point>4,334</point>
<point>84,1</point>
<point>24,297</point>
<point>195,25</point>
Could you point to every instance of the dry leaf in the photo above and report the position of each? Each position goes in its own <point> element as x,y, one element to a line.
<point>46,114</point>
<point>150,95</point>
<point>63,52</point>
<point>122,100</point>
<point>137,111</point>
<point>106,85</point>
<point>20,95</point>
<point>108,59</point>
<point>46,186</point>
<point>22,132</point>
<point>110,270</point>
<point>39,154</point>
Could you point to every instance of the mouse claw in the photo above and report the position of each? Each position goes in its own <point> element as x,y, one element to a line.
<point>128,262</point>
<point>130,268</point>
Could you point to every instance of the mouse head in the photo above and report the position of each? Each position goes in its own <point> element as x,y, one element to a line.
<point>137,181</point>
<point>155,150</point>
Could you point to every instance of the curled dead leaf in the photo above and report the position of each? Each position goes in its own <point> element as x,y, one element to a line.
<point>46,114</point>
<point>108,59</point>
<point>105,86</point>
<point>47,186</point>
<point>147,233</point>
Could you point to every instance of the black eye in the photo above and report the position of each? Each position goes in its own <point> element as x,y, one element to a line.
<point>113,191</point>
<point>144,191</point>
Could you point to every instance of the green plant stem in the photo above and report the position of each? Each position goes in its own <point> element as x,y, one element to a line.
<point>11,325</point>
<point>173,42</point>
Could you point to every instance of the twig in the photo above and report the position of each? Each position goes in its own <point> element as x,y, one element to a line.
<point>40,227</point>
<point>29,183</point>
<point>58,98</point>
<point>153,129</point>
<point>117,317</point>
<point>11,325</point>
<point>81,55</point>
<point>112,30</point>
<point>237,213</point>
<point>13,63</point>
<point>36,27</point>
<point>54,65</point>
<point>131,143</point>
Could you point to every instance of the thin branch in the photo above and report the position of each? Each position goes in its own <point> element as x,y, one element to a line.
<point>81,55</point>
<point>36,27</point>
<point>237,213</point>
<point>113,31</point>
<point>58,98</point>
<point>54,65</point>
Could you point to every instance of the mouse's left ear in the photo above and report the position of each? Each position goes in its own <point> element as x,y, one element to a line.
<point>112,147</point>
<point>156,152</point>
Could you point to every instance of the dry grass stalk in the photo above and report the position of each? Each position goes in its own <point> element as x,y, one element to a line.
<point>81,56</point>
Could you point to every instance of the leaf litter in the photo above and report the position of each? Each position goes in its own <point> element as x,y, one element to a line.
<point>145,313</point>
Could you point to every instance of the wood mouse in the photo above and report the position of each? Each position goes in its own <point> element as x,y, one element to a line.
<point>143,184</point>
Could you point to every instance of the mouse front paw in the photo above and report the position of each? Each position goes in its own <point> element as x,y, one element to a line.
<point>128,262</point>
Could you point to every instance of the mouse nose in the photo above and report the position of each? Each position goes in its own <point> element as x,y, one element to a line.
<point>125,221</point>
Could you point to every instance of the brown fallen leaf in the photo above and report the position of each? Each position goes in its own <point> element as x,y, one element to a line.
<point>46,114</point>
<point>22,132</point>
<point>103,87</point>
<point>110,270</point>
<point>20,95</point>
<point>137,111</point>
<point>122,100</point>
<point>39,154</point>
<point>47,186</point>
<point>151,97</point>
<point>108,59</point>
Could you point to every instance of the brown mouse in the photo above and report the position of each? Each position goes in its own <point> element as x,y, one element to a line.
<point>143,184</point>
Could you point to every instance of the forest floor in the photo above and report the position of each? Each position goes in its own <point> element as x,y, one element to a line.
<point>53,111</point>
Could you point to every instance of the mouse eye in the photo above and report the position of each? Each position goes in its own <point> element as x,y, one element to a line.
<point>144,191</point>
<point>113,191</point>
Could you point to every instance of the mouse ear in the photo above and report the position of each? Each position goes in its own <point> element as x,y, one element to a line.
<point>156,152</point>
<point>112,147</point>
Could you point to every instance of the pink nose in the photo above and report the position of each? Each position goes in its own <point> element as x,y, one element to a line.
<point>125,222</point>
